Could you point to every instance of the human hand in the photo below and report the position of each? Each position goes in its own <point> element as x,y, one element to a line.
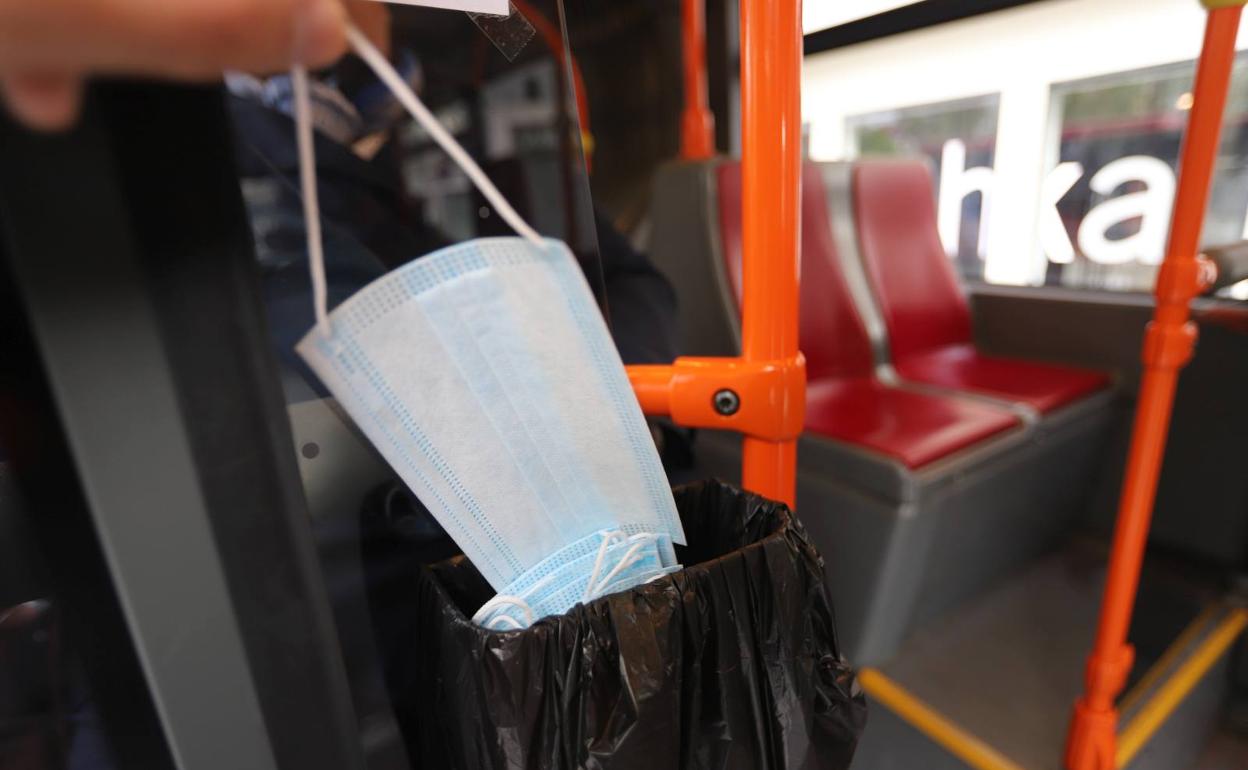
<point>47,47</point>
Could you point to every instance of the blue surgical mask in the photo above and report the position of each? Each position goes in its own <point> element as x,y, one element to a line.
<point>474,463</point>
<point>485,375</point>
<point>615,564</point>
<point>517,374</point>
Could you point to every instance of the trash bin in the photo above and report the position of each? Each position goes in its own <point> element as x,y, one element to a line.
<point>731,663</point>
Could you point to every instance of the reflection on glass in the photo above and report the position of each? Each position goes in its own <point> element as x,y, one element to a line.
<point>1107,201</point>
<point>958,139</point>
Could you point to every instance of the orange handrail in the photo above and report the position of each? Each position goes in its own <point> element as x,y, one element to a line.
<point>1168,345</point>
<point>771,66</point>
<point>762,394</point>
<point>697,124</point>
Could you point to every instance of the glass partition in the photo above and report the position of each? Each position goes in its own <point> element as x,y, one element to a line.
<point>506,89</point>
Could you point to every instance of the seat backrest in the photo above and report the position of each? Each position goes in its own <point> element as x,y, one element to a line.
<point>914,283</point>
<point>832,335</point>
<point>728,176</point>
<point>685,247</point>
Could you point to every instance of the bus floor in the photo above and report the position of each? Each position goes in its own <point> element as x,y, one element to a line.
<point>1224,751</point>
<point>990,685</point>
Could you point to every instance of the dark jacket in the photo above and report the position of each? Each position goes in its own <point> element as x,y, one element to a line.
<point>368,230</point>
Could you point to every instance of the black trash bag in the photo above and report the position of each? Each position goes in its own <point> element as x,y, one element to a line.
<point>730,663</point>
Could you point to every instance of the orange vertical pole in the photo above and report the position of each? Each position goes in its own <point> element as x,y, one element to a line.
<point>697,124</point>
<point>771,48</point>
<point>1168,345</point>
<point>762,394</point>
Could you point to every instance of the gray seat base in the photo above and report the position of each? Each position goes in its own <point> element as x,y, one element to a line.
<point>903,546</point>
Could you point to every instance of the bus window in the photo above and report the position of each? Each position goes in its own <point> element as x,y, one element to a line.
<point>1107,199</point>
<point>1052,128</point>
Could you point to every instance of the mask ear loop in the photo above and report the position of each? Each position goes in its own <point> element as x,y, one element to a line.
<point>307,163</point>
<point>403,92</point>
<point>311,201</point>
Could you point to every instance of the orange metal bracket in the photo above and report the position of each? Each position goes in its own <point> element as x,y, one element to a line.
<point>763,399</point>
<point>697,124</point>
<point>769,379</point>
<point>1168,345</point>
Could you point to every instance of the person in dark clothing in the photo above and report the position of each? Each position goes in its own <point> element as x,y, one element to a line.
<point>369,229</point>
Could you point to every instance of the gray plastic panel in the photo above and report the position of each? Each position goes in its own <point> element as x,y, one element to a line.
<point>686,247</point>
<point>998,516</point>
<point>1203,491</point>
<point>336,463</point>
<point>902,547</point>
<point>339,469</point>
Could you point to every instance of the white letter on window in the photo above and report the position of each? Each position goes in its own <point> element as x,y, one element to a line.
<point>1053,237</point>
<point>1151,206</point>
<point>956,182</point>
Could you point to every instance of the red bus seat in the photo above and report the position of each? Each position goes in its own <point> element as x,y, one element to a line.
<point>914,428</point>
<point>844,400</point>
<point>916,497</point>
<point>921,301</point>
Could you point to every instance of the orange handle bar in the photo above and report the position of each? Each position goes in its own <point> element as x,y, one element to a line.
<point>765,400</point>
<point>697,124</point>
<point>1168,344</point>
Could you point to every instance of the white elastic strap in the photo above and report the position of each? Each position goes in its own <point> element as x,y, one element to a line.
<point>394,81</point>
<point>607,539</point>
<point>596,586</point>
<point>311,203</point>
<point>508,624</point>
<point>307,163</point>
<point>630,557</point>
<point>593,589</point>
<point>504,600</point>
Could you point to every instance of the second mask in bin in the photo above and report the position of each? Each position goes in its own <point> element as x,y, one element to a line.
<point>595,566</point>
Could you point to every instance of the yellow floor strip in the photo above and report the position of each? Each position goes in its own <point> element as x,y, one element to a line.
<point>926,720</point>
<point>1171,694</point>
<point>1172,653</point>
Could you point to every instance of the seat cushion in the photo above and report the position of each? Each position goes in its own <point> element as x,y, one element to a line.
<point>1044,387</point>
<point>914,428</point>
